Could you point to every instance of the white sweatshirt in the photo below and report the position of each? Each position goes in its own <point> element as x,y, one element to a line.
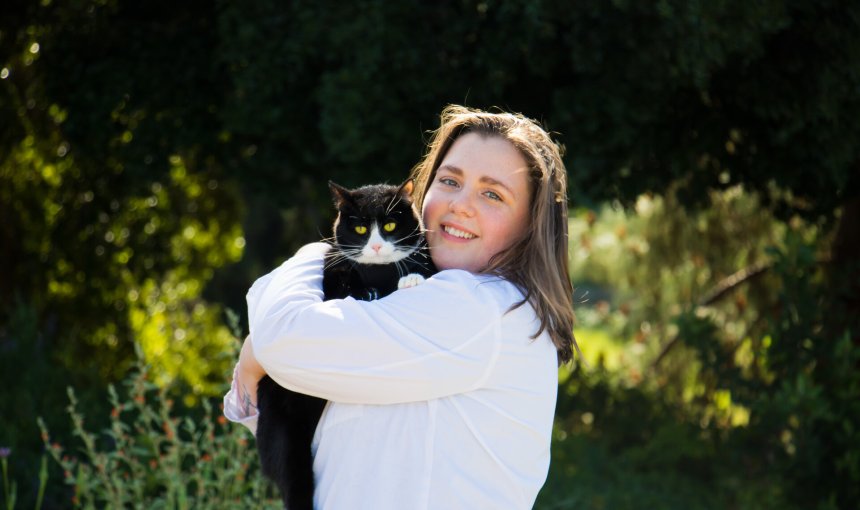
<point>438,398</point>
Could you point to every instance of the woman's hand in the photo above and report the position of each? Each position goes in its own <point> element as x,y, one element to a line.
<point>249,374</point>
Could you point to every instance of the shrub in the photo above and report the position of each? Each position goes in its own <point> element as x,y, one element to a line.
<point>154,457</point>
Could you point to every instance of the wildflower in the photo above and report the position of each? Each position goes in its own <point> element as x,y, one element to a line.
<point>222,420</point>
<point>5,452</point>
<point>168,430</point>
<point>115,412</point>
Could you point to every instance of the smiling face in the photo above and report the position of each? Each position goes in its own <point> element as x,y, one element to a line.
<point>478,202</point>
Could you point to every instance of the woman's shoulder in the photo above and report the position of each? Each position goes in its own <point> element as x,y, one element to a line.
<point>484,286</point>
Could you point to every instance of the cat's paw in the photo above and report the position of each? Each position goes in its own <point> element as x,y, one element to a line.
<point>410,280</point>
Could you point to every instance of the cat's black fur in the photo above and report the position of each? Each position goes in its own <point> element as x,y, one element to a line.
<point>288,419</point>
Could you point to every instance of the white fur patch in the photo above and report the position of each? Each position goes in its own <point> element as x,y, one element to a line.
<point>410,280</point>
<point>386,254</point>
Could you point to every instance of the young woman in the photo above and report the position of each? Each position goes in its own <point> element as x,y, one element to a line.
<point>441,395</point>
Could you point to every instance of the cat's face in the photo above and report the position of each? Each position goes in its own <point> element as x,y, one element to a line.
<point>376,224</point>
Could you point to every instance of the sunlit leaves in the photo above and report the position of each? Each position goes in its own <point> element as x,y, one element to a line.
<point>82,247</point>
<point>182,337</point>
<point>638,270</point>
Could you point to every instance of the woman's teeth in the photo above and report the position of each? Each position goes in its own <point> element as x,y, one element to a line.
<point>458,233</point>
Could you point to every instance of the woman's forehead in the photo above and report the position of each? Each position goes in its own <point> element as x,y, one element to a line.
<point>489,158</point>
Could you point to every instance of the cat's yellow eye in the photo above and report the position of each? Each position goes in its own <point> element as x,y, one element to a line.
<point>389,227</point>
<point>361,229</point>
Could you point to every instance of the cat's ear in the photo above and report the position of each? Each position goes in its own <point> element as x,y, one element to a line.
<point>339,193</point>
<point>406,188</point>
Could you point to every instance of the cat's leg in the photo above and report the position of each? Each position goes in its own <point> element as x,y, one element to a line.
<point>410,280</point>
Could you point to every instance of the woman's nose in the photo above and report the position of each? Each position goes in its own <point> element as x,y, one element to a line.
<point>462,205</point>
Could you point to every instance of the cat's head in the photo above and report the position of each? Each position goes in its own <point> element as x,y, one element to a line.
<point>376,224</point>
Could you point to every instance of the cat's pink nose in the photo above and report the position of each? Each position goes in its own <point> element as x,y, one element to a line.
<point>376,247</point>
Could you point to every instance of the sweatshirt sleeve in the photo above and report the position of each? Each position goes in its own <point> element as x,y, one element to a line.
<point>233,410</point>
<point>436,339</point>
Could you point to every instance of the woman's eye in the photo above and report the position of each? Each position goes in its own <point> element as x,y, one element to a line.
<point>448,181</point>
<point>390,226</point>
<point>361,229</point>
<point>493,195</point>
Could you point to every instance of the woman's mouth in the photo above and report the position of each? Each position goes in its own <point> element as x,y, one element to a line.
<point>456,232</point>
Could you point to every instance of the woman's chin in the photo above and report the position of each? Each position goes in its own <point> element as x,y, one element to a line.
<point>443,259</point>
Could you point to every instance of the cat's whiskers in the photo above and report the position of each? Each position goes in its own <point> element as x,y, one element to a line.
<point>409,259</point>
<point>401,267</point>
<point>351,247</point>
<point>333,262</point>
<point>414,233</point>
<point>343,253</point>
<point>394,201</point>
<point>341,258</point>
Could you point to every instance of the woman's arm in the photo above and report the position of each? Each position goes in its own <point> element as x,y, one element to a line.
<point>248,374</point>
<point>240,403</point>
<point>437,339</point>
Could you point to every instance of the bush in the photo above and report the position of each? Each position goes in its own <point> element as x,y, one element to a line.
<point>151,458</point>
<point>623,447</point>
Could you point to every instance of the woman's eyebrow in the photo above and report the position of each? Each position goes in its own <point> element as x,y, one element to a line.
<point>451,168</point>
<point>494,182</point>
<point>485,179</point>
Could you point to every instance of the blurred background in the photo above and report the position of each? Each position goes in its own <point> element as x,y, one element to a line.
<point>156,157</point>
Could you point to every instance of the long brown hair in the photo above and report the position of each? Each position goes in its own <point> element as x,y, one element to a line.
<point>537,263</point>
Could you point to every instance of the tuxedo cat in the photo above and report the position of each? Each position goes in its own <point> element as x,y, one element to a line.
<point>378,247</point>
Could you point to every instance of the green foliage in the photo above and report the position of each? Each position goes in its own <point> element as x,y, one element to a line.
<point>10,488</point>
<point>33,383</point>
<point>642,94</point>
<point>738,385</point>
<point>622,447</point>
<point>111,193</point>
<point>154,456</point>
<point>661,259</point>
<point>105,264</point>
<point>803,416</point>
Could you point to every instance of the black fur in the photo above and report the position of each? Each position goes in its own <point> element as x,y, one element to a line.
<point>288,419</point>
